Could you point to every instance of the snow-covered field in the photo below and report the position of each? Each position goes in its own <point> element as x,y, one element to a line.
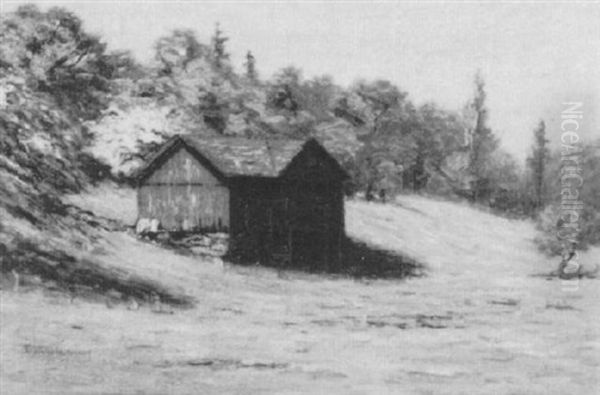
<point>480,322</point>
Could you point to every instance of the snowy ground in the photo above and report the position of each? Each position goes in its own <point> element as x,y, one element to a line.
<point>480,322</point>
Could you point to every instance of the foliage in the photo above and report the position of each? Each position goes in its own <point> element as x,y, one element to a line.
<point>285,91</point>
<point>403,145</point>
<point>588,194</point>
<point>220,55</point>
<point>482,143</point>
<point>437,135</point>
<point>177,50</point>
<point>380,106</point>
<point>59,58</point>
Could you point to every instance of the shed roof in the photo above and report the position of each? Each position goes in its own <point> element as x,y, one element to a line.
<point>240,156</point>
<point>233,156</point>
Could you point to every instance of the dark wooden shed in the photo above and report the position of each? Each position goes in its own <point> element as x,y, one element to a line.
<point>280,201</point>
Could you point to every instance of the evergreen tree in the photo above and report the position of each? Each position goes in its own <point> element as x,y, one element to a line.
<point>218,43</point>
<point>483,143</point>
<point>250,66</point>
<point>537,162</point>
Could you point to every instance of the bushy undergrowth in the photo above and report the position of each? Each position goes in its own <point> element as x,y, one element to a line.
<point>551,218</point>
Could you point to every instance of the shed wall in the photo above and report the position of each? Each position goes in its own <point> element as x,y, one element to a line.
<point>296,219</point>
<point>184,195</point>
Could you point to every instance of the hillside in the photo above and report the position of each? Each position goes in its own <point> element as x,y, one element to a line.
<point>479,321</point>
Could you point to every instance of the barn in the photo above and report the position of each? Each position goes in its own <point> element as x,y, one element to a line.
<point>280,201</point>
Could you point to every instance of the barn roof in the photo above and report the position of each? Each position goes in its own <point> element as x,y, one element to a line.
<point>232,156</point>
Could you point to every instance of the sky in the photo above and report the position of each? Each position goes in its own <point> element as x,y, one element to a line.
<point>533,56</point>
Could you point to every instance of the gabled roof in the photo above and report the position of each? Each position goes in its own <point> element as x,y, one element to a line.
<point>232,156</point>
<point>245,157</point>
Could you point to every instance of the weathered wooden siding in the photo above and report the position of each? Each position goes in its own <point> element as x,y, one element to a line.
<point>186,207</point>
<point>182,168</point>
<point>184,195</point>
